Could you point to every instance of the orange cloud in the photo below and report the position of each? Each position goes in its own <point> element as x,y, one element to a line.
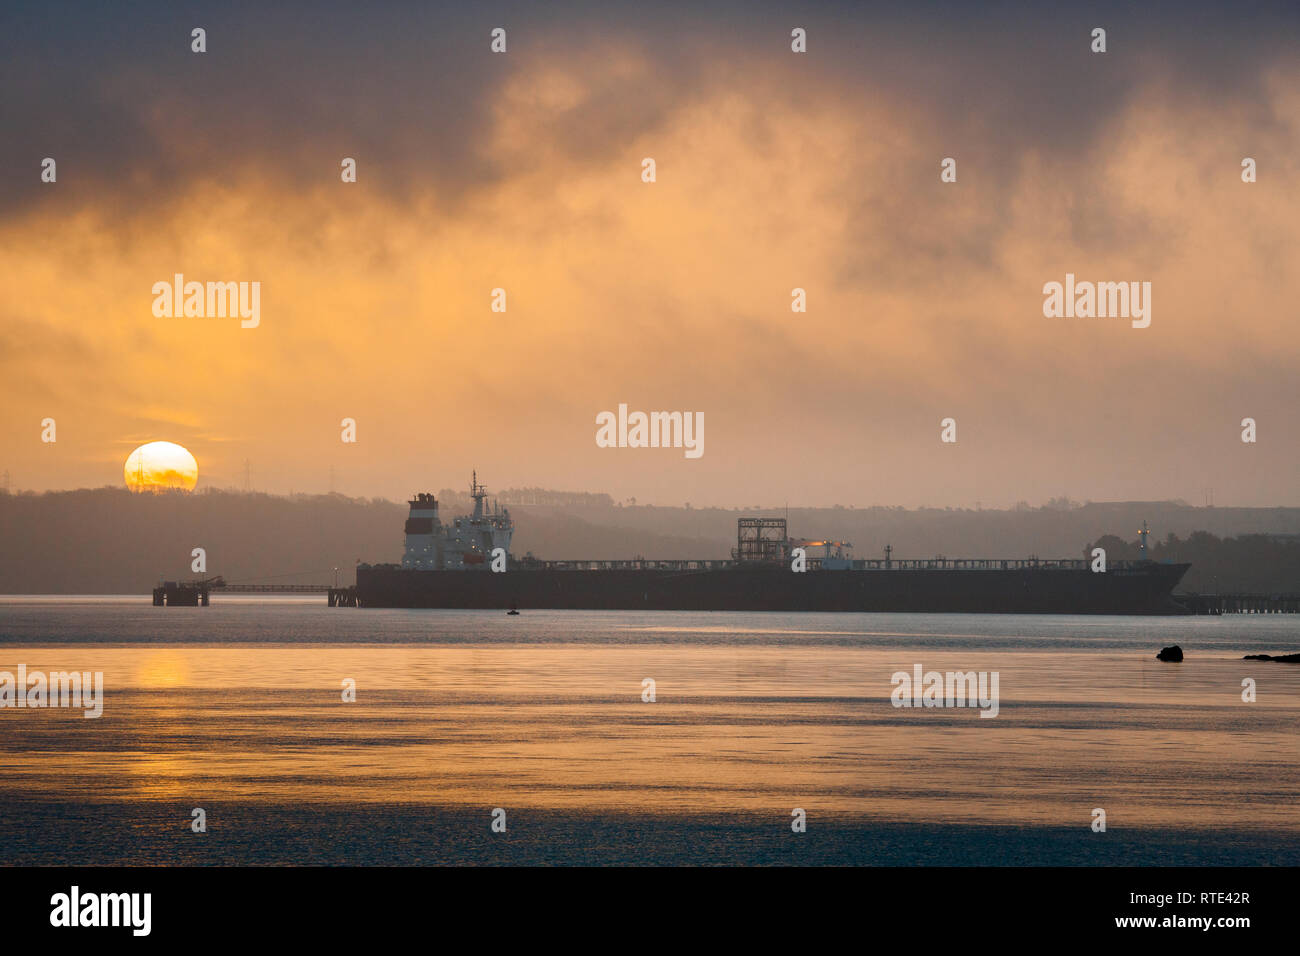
<point>924,301</point>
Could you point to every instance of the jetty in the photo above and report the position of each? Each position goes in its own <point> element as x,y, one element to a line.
<point>198,593</point>
<point>1215,604</point>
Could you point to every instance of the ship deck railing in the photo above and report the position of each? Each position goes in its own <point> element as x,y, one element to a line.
<point>814,563</point>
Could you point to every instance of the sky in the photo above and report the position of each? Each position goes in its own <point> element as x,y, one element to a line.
<point>775,170</point>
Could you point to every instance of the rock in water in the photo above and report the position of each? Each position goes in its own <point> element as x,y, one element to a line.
<point>1283,658</point>
<point>1174,654</point>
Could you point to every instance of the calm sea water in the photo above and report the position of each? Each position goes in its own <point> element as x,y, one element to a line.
<point>237,708</point>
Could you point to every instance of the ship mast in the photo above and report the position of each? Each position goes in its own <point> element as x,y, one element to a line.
<point>478,493</point>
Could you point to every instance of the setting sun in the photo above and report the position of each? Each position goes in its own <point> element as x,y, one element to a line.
<point>161,466</point>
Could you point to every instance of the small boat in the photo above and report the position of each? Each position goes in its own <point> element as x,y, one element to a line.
<point>513,610</point>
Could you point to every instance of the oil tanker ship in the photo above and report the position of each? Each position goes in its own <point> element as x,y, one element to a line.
<point>467,564</point>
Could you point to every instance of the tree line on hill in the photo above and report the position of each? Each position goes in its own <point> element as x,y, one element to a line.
<point>106,540</point>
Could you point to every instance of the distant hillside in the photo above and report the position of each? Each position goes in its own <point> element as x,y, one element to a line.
<point>106,540</point>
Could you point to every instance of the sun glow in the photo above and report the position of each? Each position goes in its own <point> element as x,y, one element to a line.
<point>161,466</point>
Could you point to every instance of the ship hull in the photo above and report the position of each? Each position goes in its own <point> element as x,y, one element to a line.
<point>1144,589</point>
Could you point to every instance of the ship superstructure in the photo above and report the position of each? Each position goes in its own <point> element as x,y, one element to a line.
<point>465,544</point>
